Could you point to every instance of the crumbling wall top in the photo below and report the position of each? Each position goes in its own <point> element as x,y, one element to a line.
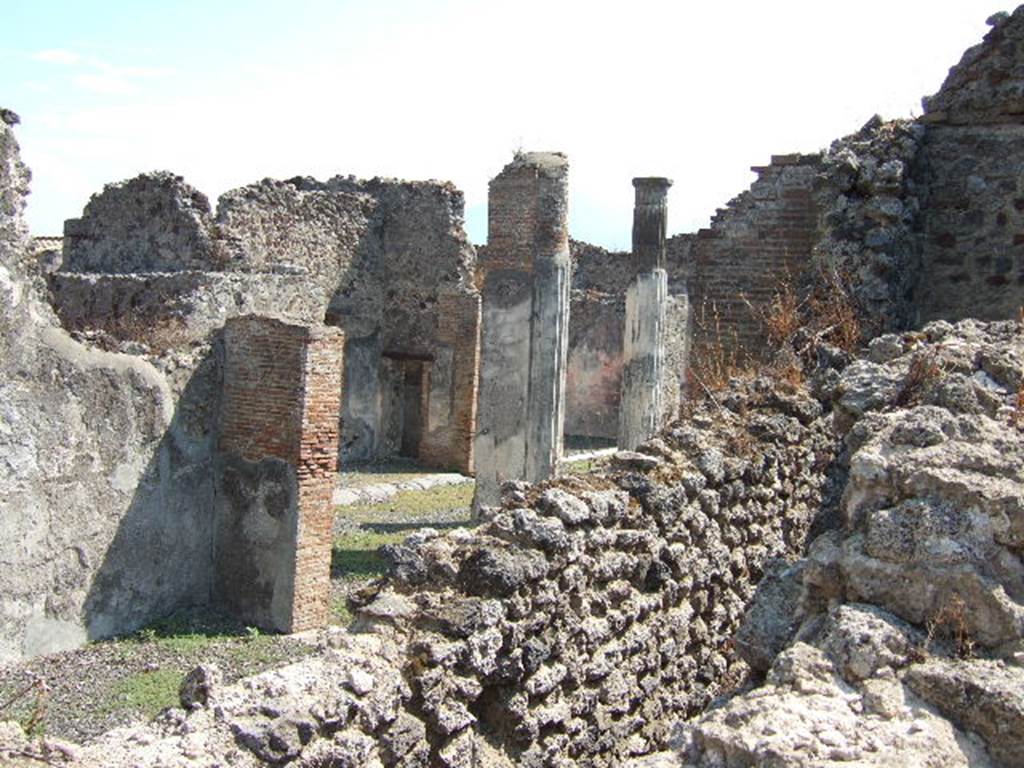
<point>987,86</point>
<point>542,163</point>
<point>154,222</point>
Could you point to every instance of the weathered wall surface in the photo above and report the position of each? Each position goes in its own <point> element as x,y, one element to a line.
<point>593,378</point>
<point>596,322</point>
<point>105,493</point>
<point>597,269</point>
<point>295,226</point>
<point>970,169</point>
<point>972,221</point>
<point>869,247</point>
<point>176,309</point>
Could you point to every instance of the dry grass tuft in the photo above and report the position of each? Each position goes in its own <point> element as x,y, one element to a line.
<point>717,356</point>
<point>833,311</point>
<point>159,335</point>
<point>782,316</point>
<point>925,370</point>
<point>32,717</point>
<point>949,623</point>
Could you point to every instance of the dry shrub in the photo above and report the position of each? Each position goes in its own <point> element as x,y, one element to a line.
<point>32,721</point>
<point>925,369</point>
<point>716,356</point>
<point>949,623</point>
<point>832,312</point>
<point>781,317</point>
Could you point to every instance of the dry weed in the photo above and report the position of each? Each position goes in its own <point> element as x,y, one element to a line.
<point>160,335</point>
<point>950,623</point>
<point>832,312</point>
<point>781,317</point>
<point>716,356</point>
<point>925,369</point>
<point>33,722</point>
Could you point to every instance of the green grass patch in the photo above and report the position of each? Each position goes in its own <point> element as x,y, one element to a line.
<point>577,467</point>
<point>146,693</point>
<point>411,504</point>
<point>340,614</point>
<point>190,632</point>
<point>354,555</point>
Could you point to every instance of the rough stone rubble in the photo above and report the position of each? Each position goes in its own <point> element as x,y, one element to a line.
<point>902,631</point>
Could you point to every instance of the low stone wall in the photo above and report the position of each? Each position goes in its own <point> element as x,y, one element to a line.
<point>586,610</point>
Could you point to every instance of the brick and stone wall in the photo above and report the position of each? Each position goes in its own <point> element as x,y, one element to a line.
<point>762,238</point>
<point>277,462</point>
<point>381,259</point>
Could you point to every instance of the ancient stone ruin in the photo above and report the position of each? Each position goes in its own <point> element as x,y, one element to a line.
<point>524,342</point>
<point>814,521</point>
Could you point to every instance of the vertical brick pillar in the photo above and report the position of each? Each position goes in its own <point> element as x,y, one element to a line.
<point>643,367</point>
<point>277,466</point>
<point>524,327</point>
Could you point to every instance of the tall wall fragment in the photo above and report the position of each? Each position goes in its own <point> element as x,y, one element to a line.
<point>524,337</point>
<point>277,470</point>
<point>105,488</point>
<point>646,300</point>
<point>970,172</point>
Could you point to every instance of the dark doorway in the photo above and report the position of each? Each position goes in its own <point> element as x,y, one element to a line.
<point>412,407</point>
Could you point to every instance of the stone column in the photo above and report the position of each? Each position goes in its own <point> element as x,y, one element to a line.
<point>646,300</point>
<point>525,324</point>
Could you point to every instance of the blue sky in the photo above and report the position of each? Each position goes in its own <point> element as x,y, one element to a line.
<point>226,93</point>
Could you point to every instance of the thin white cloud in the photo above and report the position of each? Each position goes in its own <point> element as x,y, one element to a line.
<point>98,76</point>
<point>56,56</point>
<point>107,83</point>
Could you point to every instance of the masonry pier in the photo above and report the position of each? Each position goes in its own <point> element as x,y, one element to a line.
<point>277,467</point>
<point>646,302</point>
<point>524,334</point>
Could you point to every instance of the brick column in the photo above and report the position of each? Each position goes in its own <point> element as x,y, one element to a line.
<point>646,300</point>
<point>525,324</point>
<point>277,467</point>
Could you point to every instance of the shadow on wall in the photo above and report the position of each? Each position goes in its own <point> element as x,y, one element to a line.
<point>161,557</point>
